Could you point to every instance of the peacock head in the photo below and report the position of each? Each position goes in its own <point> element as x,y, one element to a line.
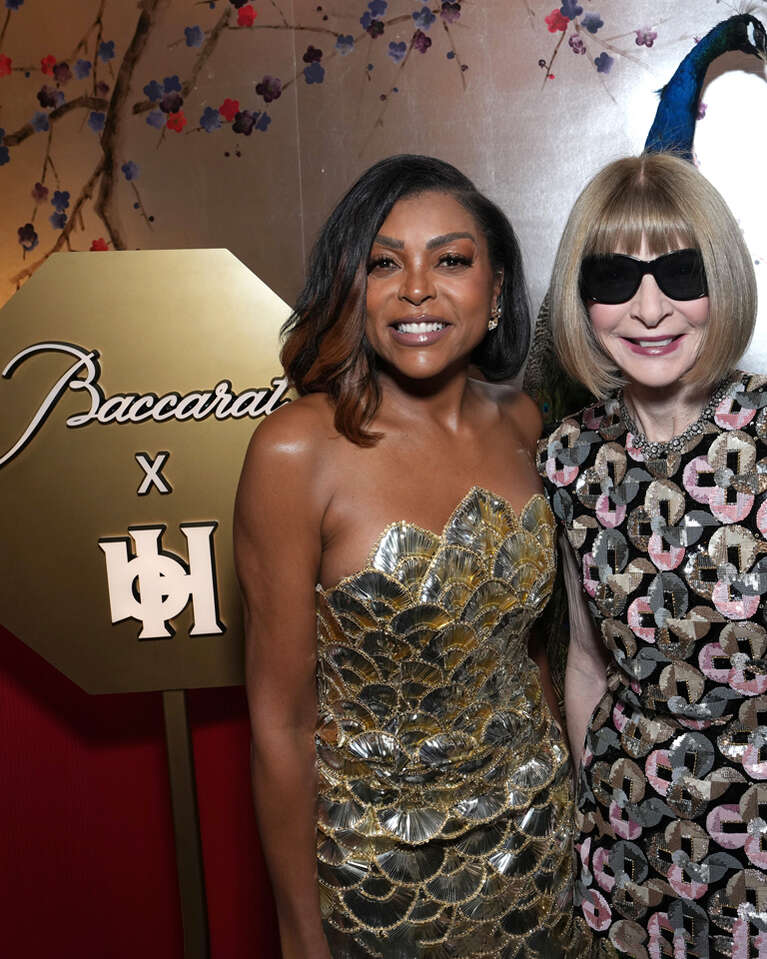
<point>750,35</point>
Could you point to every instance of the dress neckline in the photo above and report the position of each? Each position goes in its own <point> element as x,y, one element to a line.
<point>517,513</point>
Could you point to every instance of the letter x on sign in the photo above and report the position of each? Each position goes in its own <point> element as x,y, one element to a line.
<point>153,473</point>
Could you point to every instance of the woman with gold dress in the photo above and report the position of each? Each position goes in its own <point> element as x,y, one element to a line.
<point>411,783</point>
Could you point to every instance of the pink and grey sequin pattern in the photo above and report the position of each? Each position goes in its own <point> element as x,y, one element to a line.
<point>672,806</point>
<point>445,807</point>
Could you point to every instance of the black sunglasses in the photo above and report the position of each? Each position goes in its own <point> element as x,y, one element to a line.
<point>615,278</point>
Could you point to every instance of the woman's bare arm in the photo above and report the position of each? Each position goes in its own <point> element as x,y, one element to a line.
<point>277,540</point>
<point>586,676</point>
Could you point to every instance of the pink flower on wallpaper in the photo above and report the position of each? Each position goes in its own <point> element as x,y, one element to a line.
<point>421,42</point>
<point>5,65</point>
<point>577,45</point>
<point>39,192</point>
<point>645,37</point>
<point>176,121</point>
<point>555,21</point>
<point>229,109</point>
<point>246,16</point>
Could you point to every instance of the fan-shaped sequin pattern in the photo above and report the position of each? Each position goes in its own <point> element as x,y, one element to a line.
<point>444,818</point>
<point>673,800</point>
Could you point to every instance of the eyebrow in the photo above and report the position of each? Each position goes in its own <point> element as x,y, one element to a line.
<point>431,244</point>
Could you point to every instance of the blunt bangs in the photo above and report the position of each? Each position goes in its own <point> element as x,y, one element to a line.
<point>644,213</point>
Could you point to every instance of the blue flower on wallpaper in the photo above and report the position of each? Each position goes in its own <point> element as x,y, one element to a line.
<point>5,156</point>
<point>107,50</point>
<point>130,170</point>
<point>40,122</point>
<point>58,220</point>
<point>210,120</point>
<point>153,91</point>
<point>60,200</point>
<point>592,22</point>
<point>370,18</point>
<point>14,4</point>
<point>263,121</point>
<point>314,73</point>
<point>424,18</point>
<point>156,119</point>
<point>172,84</point>
<point>27,237</point>
<point>345,44</point>
<point>604,62</point>
<point>82,69</point>
<point>96,121</point>
<point>397,51</point>
<point>194,36</point>
<point>571,9</point>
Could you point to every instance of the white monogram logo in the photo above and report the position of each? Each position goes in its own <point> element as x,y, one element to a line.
<point>154,585</point>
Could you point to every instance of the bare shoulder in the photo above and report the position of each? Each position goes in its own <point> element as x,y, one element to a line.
<point>288,457</point>
<point>294,434</point>
<point>518,409</point>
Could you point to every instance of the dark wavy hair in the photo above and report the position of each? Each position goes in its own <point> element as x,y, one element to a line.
<point>325,349</point>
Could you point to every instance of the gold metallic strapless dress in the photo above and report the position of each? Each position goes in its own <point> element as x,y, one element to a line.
<point>445,810</point>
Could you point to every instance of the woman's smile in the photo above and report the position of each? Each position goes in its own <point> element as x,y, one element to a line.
<point>419,331</point>
<point>653,339</point>
<point>654,346</point>
<point>430,286</point>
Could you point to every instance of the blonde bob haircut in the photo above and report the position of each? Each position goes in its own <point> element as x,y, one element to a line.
<point>664,199</point>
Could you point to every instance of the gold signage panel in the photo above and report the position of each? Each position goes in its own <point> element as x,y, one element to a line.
<point>131,383</point>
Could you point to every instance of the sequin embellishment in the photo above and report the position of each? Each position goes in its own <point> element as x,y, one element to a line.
<point>445,812</point>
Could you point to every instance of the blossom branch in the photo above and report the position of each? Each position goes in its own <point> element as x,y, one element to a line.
<point>456,55</point>
<point>5,25</point>
<point>83,43</point>
<point>550,64</point>
<point>210,44</point>
<point>105,205</point>
<point>87,102</point>
<point>63,237</point>
<point>141,207</point>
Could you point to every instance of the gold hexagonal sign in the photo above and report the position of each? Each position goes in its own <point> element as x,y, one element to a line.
<point>131,383</point>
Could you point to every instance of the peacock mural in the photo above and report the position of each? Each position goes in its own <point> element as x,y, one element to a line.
<point>673,129</point>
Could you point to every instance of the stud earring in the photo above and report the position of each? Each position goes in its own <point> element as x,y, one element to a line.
<point>495,315</point>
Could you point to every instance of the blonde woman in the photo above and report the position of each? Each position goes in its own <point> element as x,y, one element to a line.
<point>660,488</point>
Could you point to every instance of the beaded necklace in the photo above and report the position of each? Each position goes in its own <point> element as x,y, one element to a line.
<point>654,450</point>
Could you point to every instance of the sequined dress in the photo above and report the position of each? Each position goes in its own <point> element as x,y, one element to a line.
<point>672,806</point>
<point>445,809</point>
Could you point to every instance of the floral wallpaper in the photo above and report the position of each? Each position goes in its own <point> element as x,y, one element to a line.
<point>199,123</point>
